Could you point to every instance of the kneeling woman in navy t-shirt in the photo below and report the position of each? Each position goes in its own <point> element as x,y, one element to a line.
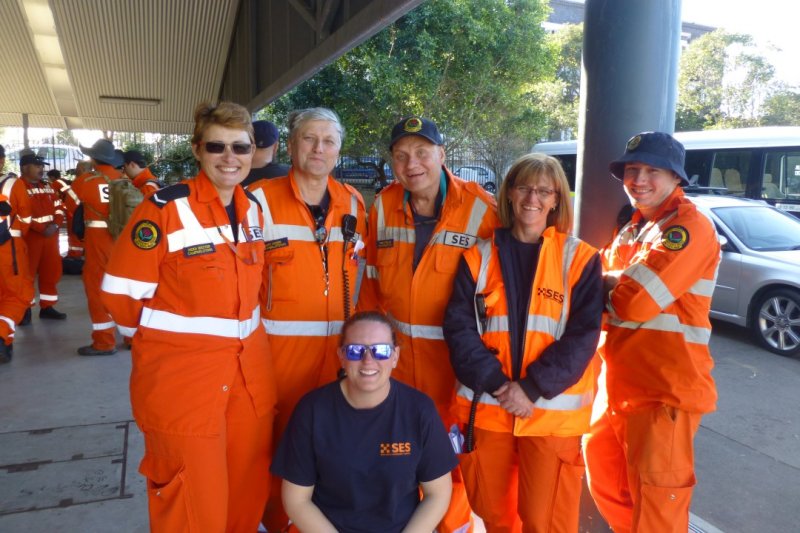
<point>357,451</point>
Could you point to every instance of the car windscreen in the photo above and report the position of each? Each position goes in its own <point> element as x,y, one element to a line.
<point>761,228</point>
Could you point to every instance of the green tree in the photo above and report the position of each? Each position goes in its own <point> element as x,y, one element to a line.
<point>463,63</point>
<point>722,82</point>
<point>782,108</point>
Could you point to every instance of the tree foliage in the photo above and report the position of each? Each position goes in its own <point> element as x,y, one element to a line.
<point>782,108</point>
<point>466,64</point>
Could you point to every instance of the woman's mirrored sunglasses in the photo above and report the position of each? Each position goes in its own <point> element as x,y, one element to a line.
<point>216,147</point>
<point>380,352</point>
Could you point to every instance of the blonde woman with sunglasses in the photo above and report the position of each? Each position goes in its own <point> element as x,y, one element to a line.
<point>183,281</point>
<point>357,451</point>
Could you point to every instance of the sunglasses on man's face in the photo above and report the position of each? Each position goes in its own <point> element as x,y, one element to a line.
<point>380,352</point>
<point>216,147</point>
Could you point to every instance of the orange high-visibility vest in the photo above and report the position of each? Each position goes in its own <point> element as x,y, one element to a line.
<point>562,260</point>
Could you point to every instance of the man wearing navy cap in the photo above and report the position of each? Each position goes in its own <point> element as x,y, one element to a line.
<point>135,167</point>
<point>419,226</point>
<point>660,271</point>
<point>47,215</point>
<point>266,136</point>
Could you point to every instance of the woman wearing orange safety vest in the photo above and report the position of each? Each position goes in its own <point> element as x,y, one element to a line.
<point>184,281</point>
<point>522,325</point>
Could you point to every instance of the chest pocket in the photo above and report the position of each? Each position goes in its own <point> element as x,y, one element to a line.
<point>283,276</point>
<point>447,259</point>
<point>386,257</point>
<point>202,279</point>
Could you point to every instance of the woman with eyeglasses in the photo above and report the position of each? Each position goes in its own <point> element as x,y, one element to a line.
<point>357,451</point>
<point>313,230</point>
<point>184,281</point>
<point>522,326</point>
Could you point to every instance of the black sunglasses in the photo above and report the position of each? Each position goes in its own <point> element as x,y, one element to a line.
<point>216,147</point>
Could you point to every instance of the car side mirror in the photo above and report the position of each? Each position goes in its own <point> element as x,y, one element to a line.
<point>725,245</point>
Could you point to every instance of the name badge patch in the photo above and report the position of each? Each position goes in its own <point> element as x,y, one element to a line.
<point>199,249</point>
<point>277,243</point>
<point>386,243</point>
<point>462,240</point>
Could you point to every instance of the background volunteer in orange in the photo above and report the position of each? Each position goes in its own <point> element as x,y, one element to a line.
<point>312,229</point>
<point>16,288</point>
<point>660,271</point>
<point>92,191</point>
<point>136,169</point>
<point>47,215</point>
<point>522,326</point>
<point>418,228</point>
<point>63,186</point>
<point>184,281</point>
<point>18,222</point>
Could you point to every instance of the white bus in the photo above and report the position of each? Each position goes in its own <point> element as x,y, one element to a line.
<point>759,163</point>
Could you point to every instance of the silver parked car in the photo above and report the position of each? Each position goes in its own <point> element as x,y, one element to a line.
<point>480,175</point>
<point>758,286</point>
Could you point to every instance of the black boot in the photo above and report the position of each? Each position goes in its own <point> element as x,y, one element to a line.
<point>6,351</point>
<point>51,313</point>
<point>26,319</point>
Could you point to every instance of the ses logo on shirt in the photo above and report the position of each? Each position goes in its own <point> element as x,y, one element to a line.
<point>389,449</point>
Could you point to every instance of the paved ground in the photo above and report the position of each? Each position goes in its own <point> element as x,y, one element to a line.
<point>69,452</point>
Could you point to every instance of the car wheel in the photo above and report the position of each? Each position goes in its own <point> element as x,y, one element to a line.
<point>776,321</point>
<point>490,187</point>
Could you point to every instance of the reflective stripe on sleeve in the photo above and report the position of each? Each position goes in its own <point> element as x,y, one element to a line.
<point>703,287</point>
<point>668,323</point>
<point>418,331</point>
<point>651,283</point>
<point>96,224</point>
<point>46,218</point>
<point>128,287</point>
<point>202,325</point>
<point>303,328</point>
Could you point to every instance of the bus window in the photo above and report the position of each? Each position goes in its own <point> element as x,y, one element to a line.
<point>698,168</point>
<point>734,166</point>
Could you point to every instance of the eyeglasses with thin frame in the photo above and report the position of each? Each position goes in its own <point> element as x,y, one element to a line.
<point>356,352</point>
<point>238,148</point>
<point>542,192</point>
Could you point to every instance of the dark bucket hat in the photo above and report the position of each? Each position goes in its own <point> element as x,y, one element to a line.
<point>652,148</point>
<point>103,150</point>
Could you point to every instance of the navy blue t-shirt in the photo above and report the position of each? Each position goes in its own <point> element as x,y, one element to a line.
<point>365,464</point>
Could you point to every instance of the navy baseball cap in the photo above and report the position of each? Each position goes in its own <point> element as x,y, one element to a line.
<point>31,158</point>
<point>653,148</point>
<point>416,126</point>
<point>134,156</point>
<point>265,133</point>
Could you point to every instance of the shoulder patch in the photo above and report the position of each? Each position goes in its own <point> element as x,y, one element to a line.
<point>146,235</point>
<point>675,238</point>
<point>166,195</point>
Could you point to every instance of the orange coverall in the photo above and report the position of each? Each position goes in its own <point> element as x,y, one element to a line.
<point>657,369</point>
<point>16,288</point>
<point>202,384</point>
<point>43,253</point>
<point>303,307</point>
<point>20,283</point>
<point>416,299</point>
<point>146,182</point>
<point>70,201</point>
<point>92,191</point>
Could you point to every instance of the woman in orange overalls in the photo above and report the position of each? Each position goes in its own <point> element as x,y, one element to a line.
<point>184,282</point>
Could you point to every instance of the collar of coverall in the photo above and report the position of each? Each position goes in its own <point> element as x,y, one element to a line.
<point>339,196</point>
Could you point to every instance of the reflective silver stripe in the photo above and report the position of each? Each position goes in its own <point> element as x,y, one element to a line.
<point>15,232</point>
<point>303,328</point>
<point>96,224</point>
<point>46,218</point>
<point>103,325</point>
<point>497,324</point>
<point>76,248</point>
<point>193,233</point>
<point>703,287</point>
<point>543,324</point>
<point>72,194</point>
<point>128,332</point>
<point>651,283</point>
<point>562,402</point>
<point>48,297</point>
<point>202,325</point>
<point>371,271</point>
<point>353,205</point>
<point>10,323</point>
<point>475,217</point>
<point>418,331</point>
<point>668,323</point>
<point>7,183</point>
<point>262,199</point>
<point>399,234</point>
<point>24,220</point>
<point>128,287</point>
